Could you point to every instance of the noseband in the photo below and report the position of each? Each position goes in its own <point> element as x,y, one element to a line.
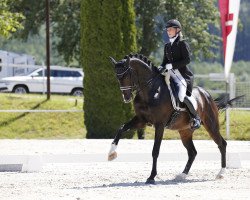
<point>129,71</point>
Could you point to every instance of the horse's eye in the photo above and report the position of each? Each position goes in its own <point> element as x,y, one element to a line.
<point>120,70</point>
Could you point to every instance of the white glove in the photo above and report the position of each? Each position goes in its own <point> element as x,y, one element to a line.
<point>161,69</point>
<point>169,66</point>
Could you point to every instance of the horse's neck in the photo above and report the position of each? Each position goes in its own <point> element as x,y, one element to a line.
<point>143,72</point>
<point>145,78</point>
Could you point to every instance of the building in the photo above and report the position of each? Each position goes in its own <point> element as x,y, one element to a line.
<point>11,64</point>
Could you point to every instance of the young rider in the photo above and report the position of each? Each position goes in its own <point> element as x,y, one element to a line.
<point>175,60</point>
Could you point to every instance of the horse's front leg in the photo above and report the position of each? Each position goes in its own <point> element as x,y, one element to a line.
<point>159,129</point>
<point>135,123</point>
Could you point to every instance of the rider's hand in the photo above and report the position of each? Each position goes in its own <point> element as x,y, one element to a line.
<point>169,66</point>
<point>162,69</point>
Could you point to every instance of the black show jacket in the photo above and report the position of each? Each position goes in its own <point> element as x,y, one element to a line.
<point>178,54</point>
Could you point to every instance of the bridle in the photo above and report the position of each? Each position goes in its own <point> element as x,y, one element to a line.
<point>120,76</point>
<point>134,86</point>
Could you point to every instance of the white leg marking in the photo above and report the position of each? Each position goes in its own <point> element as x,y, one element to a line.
<point>180,177</point>
<point>112,153</point>
<point>221,174</point>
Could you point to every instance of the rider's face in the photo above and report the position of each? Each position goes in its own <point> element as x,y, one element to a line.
<point>171,32</point>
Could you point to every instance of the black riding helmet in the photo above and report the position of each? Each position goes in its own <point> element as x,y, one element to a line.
<point>173,23</point>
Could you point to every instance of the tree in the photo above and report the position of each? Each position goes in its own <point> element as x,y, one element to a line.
<point>66,20</point>
<point>34,12</point>
<point>65,24</point>
<point>151,15</point>
<point>149,25</point>
<point>200,19</point>
<point>104,33</point>
<point>9,21</point>
<point>196,17</point>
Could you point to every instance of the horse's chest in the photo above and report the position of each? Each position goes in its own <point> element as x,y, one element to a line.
<point>145,112</point>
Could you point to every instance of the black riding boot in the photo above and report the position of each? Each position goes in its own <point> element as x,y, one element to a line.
<point>196,119</point>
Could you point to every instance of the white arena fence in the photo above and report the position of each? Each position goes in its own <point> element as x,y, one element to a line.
<point>39,111</point>
<point>243,88</point>
<point>215,85</point>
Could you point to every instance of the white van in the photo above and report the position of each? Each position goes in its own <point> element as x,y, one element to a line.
<point>62,80</point>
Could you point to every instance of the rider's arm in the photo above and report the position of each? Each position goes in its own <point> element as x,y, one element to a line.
<point>165,58</point>
<point>185,51</point>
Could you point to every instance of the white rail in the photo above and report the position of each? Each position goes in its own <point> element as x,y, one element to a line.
<point>38,111</point>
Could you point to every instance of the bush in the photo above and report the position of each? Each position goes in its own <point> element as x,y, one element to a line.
<point>107,30</point>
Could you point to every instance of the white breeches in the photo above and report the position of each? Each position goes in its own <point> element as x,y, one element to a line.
<point>181,83</point>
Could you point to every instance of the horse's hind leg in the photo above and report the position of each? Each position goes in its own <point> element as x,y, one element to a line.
<point>211,124</point>
<point>187,140</point>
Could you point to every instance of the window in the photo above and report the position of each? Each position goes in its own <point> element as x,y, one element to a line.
<point>64,73</point>
<point>40,73</point>
<point>59,73</point>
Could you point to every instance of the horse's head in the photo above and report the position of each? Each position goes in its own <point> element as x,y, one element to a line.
<point>124,76</point>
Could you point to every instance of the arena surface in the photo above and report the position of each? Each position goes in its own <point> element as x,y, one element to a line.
<point>79,170</point>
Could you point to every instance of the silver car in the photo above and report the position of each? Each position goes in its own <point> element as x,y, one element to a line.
<point>62,80</point>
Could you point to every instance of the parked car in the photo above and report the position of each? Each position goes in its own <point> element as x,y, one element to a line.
<point>62,80</point>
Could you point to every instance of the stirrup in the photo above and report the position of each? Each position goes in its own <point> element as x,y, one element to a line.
<point>196,123</point>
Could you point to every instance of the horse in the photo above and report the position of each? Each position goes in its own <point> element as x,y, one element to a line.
<point>139,81</point>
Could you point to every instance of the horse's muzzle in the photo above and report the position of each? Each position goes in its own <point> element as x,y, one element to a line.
<point>127,100</point>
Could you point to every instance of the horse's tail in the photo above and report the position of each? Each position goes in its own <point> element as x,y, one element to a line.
<point>224,102</point>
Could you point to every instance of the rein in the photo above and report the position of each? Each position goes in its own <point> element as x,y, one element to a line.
<point>134,86</point>
<point>147,83</point>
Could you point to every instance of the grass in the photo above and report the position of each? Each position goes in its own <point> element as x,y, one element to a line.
<point>71,125</point>
<point>239,128</point>
<point>41,125</point>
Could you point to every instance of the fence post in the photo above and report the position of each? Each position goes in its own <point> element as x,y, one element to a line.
<point>231,84</point>
<point>228,123</point>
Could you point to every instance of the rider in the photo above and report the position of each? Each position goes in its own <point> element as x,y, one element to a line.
<point>175,60</point>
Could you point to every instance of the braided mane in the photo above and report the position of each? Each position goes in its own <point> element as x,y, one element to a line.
<point>142,58</point>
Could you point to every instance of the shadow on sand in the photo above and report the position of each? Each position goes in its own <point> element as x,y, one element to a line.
<point>140,184</point>
<point>6,123</point>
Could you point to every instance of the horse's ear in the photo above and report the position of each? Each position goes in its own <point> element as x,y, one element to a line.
<point>112,60</point>
<point>127,62</point>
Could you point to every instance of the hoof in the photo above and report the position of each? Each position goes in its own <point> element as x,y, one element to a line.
<point>221,174</point>
<point>150,181</point>
<point>180,177</point>
<point>112,156</point>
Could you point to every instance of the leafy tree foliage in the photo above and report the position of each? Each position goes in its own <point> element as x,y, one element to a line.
<point>34,12</point>
<point>196,17</point>
<point>149,24</point>
<point>65,24</point>
<point>9,21</point>
<point>150,18</point>
<point>200,19</point>
<point>67,28</point>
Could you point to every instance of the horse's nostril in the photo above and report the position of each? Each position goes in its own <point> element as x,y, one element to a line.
<point>126,99</point>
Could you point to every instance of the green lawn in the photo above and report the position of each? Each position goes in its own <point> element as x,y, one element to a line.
<point>71,125</point>
<point>41,125</point>
<point>239,128</point>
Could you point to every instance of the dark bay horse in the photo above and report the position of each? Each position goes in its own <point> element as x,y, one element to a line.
<point>138,75</point>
